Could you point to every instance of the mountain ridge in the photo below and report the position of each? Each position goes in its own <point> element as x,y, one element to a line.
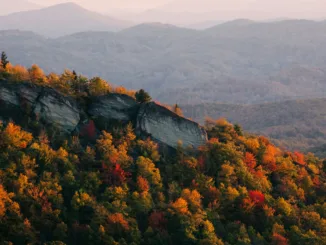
<point>294,124</point>
<point>12,6</point>
<point>73,18</point>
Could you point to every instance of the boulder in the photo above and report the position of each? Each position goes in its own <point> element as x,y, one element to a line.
<point>168,128</point>
<point>113,108</point>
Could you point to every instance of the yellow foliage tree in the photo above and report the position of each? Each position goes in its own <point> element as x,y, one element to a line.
<point>13,136</point>
<point>36,74</point>
<point>147,169</point>
<point>98,86</point>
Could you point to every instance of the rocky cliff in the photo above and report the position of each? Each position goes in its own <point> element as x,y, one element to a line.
<point>165,126</point>
<point>25,102</point>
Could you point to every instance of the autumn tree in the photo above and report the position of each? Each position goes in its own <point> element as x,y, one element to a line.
<point>18,73</point>
<point>14,136</point>
<point>177,110</point>
<point>98,86</point>
<point>36,74</point>
<point>147,169</point>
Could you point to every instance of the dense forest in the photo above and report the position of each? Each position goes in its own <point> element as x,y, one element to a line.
<point>120,189</point>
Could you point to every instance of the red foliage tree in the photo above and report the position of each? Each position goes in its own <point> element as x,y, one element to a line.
<point>257,197</point>
<point>114,175</point>
<point>89,130</point>
<point>279,240</point>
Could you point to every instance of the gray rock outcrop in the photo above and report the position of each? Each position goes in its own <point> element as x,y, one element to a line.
<point>21,100</point>
<point>58,110</point>
<point>168,128</point>
<point>113,107</point>
<point>25,102</point>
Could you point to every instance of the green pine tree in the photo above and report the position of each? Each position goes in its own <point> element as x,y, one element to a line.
<point>4,60</point>
<point>143,97</point>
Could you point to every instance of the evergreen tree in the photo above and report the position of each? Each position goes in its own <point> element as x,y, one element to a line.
<point>238,129</point>
<point>4,60</point>
<point>75,75</point>
<point>142,96</point>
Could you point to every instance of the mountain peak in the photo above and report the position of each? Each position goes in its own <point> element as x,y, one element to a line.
<point>66,6</point>
<point>61,19</point>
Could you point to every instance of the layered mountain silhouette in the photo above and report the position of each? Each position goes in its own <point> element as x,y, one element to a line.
<point>255,9</point>
<point>12,6</point>
<point>296,124</point>
<point>60,20</point>
<point>237,62</point>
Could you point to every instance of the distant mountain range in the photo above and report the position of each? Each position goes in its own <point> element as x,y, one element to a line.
<point>254,9</point>
<point>61,19</point>
<point>295,125</point>
<point>241,62</point>
<point>12,6</point>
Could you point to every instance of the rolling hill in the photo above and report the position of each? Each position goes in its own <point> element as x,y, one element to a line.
<point>239,62</point>
<point>73,18</point>
<point>254,9</point>
<point>12,6</point>
<point>296,125</point>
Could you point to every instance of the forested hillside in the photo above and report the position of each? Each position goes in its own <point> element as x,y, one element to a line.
<point>115,187</point>
<point>296,125</point>
<point>241,62</point>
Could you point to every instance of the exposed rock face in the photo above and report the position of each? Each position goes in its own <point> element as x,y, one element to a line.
<point>52,108</point>
<point>55,109</point>
<point>113,108</point>
<point>25,102</point>
<point>17,100</point>
<point>168,128</point>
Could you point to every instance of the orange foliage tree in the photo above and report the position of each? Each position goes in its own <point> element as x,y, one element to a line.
<point>299,158</point>
<point>250,161</point>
